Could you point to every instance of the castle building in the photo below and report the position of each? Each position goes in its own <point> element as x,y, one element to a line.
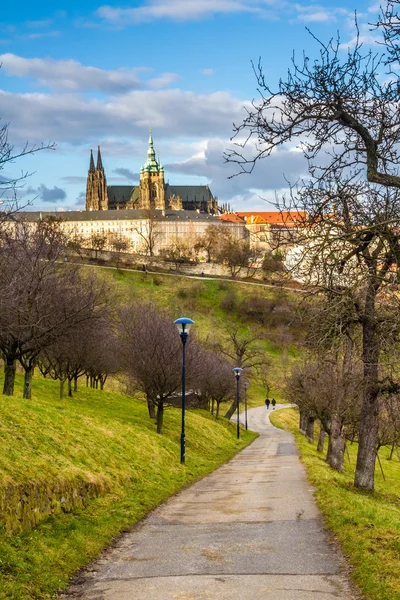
<point>152,193</point>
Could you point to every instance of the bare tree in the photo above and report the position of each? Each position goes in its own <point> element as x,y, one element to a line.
<point>151,355</point>
<point>88,349</point>
<point>238,256</point>
<point>345,116</point>
<point>216,380</point>
<point>149,231</point>
<point>41,298</point>
<point>97,242</point>
<point>178,252</point>
<point>210,241</point>
<point>10,186</point>
<point>328,389</point>
<point>242,350</point>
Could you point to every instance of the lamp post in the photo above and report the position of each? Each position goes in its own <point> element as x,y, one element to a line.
<point>184,326</point>
<point>246,385</point>
<point>237,371</point>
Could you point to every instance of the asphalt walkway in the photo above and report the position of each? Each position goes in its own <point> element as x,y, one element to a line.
<point>249,531</point>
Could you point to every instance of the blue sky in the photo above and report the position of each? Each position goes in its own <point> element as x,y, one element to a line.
<point>83,74</point>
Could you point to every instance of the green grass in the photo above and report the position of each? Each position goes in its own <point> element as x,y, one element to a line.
<point>103,437</point>
<point>367,525</point>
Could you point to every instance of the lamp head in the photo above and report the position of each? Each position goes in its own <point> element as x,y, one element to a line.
<point>183,324</point>
<point>237,371</point>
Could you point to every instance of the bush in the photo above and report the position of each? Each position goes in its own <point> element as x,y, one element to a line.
<point>182,293</point>
<point>257,308</point>
<point>230,301</point>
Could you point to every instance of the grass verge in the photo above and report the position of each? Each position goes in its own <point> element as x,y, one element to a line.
<point>99,435</point>
<point>367,525</point>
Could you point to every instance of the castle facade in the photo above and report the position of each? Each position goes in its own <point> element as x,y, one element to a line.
<point>152,193</point>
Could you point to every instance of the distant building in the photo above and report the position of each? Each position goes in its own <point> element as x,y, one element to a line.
<point>271,230</point>
<point>152,193</point>
<point>136,227</point>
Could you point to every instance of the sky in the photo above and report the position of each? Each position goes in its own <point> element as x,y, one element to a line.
<point>88,73</point>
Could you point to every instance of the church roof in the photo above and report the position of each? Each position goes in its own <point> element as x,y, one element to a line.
<point>189,193</point>
<point>121,194</point>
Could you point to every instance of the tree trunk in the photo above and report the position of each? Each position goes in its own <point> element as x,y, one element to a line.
<point>212,406</point>
<point>217,411</point>
<point>9,375</point>
<point>160,417</point>
<point>303,421</point>
<point>151,409</point>
<point>231,410</point>
<point>369,424</point>
<point>62,381</point>
<point>28,381</point>
<point>310,428</point>
<point>392,450</point>
<point>321,440</point>
<point>75,383</point>
<point>69,387</point>
<point>336,446</point>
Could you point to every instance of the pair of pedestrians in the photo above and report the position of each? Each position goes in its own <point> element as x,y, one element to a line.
<point>273,402</point>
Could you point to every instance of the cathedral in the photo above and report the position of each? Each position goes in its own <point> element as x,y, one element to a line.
<point>151,193</point>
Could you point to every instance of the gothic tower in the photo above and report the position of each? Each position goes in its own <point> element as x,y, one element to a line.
<point>152,186</point>
<point>96,185</point>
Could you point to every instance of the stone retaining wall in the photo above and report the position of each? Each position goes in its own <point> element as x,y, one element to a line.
<point>136,261</point>
<point>23,506</point>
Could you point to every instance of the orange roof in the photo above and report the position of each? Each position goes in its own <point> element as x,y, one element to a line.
<point>231,217</point>
<point>275,218</point>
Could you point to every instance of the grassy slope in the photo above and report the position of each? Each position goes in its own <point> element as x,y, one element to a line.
<point>104,436</point>
<point>367,525</point>
<point>203,301</point>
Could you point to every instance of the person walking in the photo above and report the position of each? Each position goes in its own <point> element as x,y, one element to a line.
<point>267,403</point>
<point>273,403</point>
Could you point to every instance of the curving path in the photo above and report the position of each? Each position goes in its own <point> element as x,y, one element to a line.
<point>249,531</point>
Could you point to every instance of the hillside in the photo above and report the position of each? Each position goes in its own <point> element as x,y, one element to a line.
<point>100,465</point>
<point>216,306</point>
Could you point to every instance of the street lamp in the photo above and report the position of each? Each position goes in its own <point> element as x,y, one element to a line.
<point>237,371</point>
<point>184,326</point>
<point>246,385</point>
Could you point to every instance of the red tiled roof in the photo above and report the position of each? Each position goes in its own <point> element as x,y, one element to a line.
<point>275,217</point>
<point>231,217</point>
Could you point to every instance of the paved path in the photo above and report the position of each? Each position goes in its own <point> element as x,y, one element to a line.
<point>249,531</point>
<point>205,278</point>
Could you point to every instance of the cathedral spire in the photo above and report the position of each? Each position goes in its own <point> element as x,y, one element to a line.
<point>99,161</point>
<point>91,165</point>
<point>151,164</point>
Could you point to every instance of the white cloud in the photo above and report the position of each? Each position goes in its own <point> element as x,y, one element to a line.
<point>207,72</point>
<point>178,10</point>
<point>70,118</point>
<point>319,14</point>
<point>224,178</point>
<point>39,24</point>
<point>42,34</point>
<point>72,76</point>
